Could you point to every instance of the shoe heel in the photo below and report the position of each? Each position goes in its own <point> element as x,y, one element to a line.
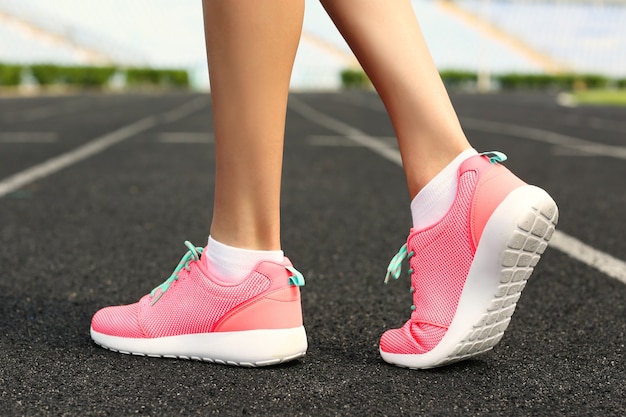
<point>534,220</point>
<point>280,309</point>
<point>518,230</point>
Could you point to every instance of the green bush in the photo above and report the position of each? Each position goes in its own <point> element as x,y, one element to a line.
<point>455,78</point>
<point>141,77</point>
<point>354,78</point>
<point>10,75</point>
<point>98,77</point>
<point>561,81</point>
<point>46,74</point>
<point>83,76</point>
<point>86,76</point>
<point>175,78</point>
<point>525,81</point>
<point>552,82</point>
<point>593,81</point>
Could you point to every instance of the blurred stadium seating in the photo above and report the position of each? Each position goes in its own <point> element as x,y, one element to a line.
<point>492,36</point>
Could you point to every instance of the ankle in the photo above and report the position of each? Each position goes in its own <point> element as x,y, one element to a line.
<point>435,199</point>
<point>247,237</point>
<point>233,264</point>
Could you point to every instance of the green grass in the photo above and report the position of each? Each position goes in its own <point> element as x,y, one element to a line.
<point>601,97</point>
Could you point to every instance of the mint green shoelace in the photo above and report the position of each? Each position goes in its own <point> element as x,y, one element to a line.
<point>495,156</point>
<point>297,278</point>
<point>193,254</point>
<point>395,266</point>
<point>394,270</point>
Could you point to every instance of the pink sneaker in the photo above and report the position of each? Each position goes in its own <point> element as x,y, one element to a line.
<point>193,316</point>
<point>469,269</point>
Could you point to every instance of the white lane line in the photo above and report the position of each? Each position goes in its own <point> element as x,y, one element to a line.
<point>28,137</point>
<point>186,109</point>
<point>42,112</point>
<point>545,136</point>
<point>569,152</point>
<point>186,137</point>
<point>17,181</point>
<point>582,146</point>
<point>613,267</point>
<point>346,130</point>
<point>55,164</point>
<point>598,124</point>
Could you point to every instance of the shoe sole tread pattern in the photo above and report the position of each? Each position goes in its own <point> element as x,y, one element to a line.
<point>533,230</point>
<point>524,249</point>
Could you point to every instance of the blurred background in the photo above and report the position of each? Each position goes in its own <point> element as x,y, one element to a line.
<point>477,44</point>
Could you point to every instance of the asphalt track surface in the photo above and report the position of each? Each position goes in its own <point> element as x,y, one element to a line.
<point>108,228</point>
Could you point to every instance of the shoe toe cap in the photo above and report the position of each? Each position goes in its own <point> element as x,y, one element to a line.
<point>120,321</point>
<point>412,338</point>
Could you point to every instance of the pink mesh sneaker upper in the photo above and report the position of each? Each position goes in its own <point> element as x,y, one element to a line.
<point>441,256</point>
<point>120,321</point>
<point>412,338</point>
<point>195,303</point>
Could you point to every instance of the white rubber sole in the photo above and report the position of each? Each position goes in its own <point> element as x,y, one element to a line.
<point>513,240</point>
<point>246,348</point>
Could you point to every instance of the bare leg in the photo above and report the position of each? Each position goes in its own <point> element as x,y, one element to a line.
<point>251,46</point>
<point>387,40</point>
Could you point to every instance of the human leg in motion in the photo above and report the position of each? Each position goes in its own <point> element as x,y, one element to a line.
<point>236,301</point>
<point>387,41</point>
<point>478,230</point>
<point>251,47</point>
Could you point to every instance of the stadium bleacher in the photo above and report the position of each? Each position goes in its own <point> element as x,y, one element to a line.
<point>586,36</point>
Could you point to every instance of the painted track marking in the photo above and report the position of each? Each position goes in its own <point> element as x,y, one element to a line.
<point>28,137</point>
<point>42,112</point>
<point>540,135</point>
<point>607,264</point>
<point>95,146</point>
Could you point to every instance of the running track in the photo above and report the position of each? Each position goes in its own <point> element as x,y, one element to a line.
<point>98,192</point>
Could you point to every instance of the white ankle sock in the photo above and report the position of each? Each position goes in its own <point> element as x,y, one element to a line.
<point>232,265</point>
<point>435,199</point>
